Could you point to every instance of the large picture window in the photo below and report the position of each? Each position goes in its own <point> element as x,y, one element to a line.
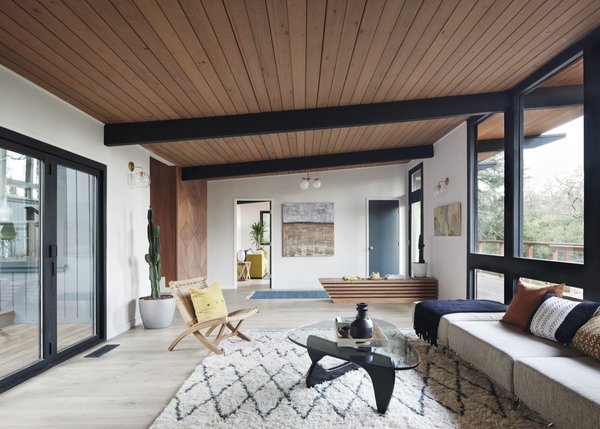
<point>533,178</point>
<point>552,172</point>
<point>489,192</point>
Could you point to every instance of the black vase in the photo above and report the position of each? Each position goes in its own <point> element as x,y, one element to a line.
<point>362,327</point>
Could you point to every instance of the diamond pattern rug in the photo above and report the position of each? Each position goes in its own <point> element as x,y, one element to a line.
<point>261,384</point>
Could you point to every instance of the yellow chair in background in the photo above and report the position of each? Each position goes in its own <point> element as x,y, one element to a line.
<point>259,264</point>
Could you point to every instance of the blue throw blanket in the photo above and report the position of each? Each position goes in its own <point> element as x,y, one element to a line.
<point>428,313</point>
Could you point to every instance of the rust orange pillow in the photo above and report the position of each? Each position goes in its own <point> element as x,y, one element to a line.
<point>526,301</point>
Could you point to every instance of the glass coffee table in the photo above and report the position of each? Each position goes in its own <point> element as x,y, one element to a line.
<point>381,363</point>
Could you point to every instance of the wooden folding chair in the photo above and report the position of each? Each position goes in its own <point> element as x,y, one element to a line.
<point>233,321</point>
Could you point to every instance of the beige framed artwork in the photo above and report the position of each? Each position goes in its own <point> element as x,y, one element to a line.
<point>307,229</point>
<point>447,220</point>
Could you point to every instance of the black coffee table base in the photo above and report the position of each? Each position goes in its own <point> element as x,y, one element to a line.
<point>379,367</point>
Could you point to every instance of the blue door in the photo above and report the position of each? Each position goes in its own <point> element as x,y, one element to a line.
<point>384,244</point>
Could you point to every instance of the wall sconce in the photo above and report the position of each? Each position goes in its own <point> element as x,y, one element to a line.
<point>441,188</point>
<point>306,182</point>
<point>137,177</point>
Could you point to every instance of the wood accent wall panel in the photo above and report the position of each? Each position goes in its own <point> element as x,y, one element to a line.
<point>191,228</point>
<point>163,200</point>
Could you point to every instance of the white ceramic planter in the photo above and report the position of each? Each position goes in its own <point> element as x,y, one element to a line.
<point>419,269</point>
<point>157,313</point>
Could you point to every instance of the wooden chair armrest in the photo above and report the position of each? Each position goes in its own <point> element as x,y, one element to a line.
<point>234,316</point>
<point>211,322</point>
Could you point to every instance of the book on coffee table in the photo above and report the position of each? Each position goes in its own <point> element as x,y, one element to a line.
<point>377,340</point>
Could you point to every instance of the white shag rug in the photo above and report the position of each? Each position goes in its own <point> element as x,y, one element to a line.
<point>261,384</point>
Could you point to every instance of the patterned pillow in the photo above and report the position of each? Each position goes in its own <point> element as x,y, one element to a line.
<point>558,320</point>
<point>587,338</point>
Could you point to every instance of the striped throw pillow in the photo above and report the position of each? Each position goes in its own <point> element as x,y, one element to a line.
<point>558,319</point>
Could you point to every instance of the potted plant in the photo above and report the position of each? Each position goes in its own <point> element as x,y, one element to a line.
<point>156,310</point>
<point>257,232</point>
<point>419,269</point>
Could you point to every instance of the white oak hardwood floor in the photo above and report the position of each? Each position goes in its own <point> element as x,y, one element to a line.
<point>129,387</point>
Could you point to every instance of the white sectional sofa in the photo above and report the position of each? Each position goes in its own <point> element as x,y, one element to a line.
<point>558,382</point>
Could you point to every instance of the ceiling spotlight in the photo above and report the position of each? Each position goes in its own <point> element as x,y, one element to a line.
<point>316,183</point>
<point>137,177</point>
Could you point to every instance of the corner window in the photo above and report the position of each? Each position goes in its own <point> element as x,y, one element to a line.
<point>552,172</point>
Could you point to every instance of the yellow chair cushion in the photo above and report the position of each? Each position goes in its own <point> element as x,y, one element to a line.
<point>208,302</point>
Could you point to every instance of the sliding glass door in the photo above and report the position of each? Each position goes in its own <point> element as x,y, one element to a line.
<point>20,263</point>
<point>76,226</point>
<point>51,256</point>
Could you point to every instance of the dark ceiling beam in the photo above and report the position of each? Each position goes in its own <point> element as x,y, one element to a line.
<point>306,163</point>
<point>557,96</point>
<point>497,145</point>
<point>303,120</point>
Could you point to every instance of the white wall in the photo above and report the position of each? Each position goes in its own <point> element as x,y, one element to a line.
<point>347,189</point>
<point>447,256</point>
<point>247,215</point>
<point>30,110</point>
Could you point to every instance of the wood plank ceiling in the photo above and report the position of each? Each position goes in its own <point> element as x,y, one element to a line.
<point>141,60</point>
<point>539,121</point>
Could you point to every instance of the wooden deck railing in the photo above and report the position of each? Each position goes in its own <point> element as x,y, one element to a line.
<point>566,252</point>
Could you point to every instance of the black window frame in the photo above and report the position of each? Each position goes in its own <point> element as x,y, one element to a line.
<point>512,264</point>
<point>266,240</point>
<point>50,157</point>
<point>414,197</point>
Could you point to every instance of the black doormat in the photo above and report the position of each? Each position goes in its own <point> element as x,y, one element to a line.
<point>102,351</point>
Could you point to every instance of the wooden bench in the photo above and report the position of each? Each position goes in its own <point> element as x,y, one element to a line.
<point>380,291</point>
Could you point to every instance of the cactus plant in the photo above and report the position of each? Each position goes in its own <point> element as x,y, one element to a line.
<point>153,256</point>
<point>421,246</point>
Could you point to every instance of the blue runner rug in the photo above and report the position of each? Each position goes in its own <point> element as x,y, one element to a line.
<point>289,294</point>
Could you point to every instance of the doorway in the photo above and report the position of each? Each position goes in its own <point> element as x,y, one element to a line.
<point>383,235</point>
<point>253,243</point>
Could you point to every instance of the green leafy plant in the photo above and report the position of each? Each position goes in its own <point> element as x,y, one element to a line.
<point>153,256</point>
<point>421,246</point>
<point>257,232</point>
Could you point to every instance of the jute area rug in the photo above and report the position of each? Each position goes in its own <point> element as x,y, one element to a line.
<point>261,384</point>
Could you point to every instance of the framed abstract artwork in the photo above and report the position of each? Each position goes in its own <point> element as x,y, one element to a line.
<point>447,220</point>
<point>307,229</point>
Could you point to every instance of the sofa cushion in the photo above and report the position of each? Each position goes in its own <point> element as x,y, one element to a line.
<point>446,320</point>
<point>492,347</point>
<point>587,338</point>
<point>562,389</point>
<point>526,301</point>
<point>558,319</point>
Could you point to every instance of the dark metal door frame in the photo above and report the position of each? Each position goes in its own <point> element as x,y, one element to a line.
<point>50,157</point>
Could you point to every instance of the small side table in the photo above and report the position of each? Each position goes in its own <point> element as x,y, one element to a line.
<point>243,270</point>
